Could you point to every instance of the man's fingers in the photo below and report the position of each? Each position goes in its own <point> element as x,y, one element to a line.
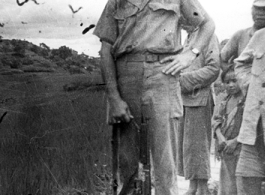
<point>128,116</point>
<point>112,121</point>
<point>177,70</point>
<point>129,113</point>
<point>168,67</point>
<point>171,68</point>
<point>117,120</point>
<point>167,59</point>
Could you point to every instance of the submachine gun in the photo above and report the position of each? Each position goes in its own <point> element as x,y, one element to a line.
<point>143,178</point>
<point>143,181</point>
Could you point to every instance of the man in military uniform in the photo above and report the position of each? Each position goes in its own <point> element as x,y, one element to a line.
<point>141,61</point>
<point>250,69</point>
<point>234,47</point>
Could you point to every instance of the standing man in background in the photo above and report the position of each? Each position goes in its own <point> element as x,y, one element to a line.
<point>141,61</point>
<point>251,164</point>
<point>240,39</point>
<point>194,134</point>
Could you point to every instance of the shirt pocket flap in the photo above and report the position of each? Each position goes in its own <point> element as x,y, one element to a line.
<point>257,67</point>
<point>173,7</point>
<point>258,55</point>
<point>128,11</point>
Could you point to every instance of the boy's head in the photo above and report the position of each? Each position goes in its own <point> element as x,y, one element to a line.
<point>229,80</point>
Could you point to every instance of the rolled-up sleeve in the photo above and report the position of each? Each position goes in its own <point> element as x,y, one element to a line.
<point>107,27</point>
<point>193,12</point>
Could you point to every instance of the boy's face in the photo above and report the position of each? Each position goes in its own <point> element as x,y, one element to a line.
<point>231,84</point>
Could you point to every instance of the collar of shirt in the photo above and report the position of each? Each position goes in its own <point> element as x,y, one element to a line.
<point>251,31</point>
<point>139,4</point>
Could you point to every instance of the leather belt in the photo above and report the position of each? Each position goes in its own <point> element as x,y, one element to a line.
<point>144,57</point>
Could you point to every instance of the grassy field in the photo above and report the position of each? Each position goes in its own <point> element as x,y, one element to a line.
<point>54,139</point>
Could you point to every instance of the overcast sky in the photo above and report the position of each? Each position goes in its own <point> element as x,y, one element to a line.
<point>52,22</point>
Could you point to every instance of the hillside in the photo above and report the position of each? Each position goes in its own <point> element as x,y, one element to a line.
<point>18,56</point>
<point>54,136</point>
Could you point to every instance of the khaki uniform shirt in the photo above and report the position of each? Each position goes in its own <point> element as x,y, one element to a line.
<point>196,80</point>
<point>250,66</point>
<point>147,26</point>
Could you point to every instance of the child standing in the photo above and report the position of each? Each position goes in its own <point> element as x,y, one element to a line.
<point>226,125</point>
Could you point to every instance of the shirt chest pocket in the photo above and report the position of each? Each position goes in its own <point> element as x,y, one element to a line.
<point>258,63</point>
<point>165,8</point>
<point>125,13</point>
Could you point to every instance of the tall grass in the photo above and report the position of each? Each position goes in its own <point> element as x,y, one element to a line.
<point>53,142</point>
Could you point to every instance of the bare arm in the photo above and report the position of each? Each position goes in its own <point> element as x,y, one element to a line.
<point>109,70</point>
<point>181,61</point>
<point>119,110</point>
<point>204,34</point>
<point>220,136</point>
<point>231,48</point>
<point>216,125</point>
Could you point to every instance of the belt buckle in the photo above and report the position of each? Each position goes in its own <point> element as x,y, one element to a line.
<point>151,58</point>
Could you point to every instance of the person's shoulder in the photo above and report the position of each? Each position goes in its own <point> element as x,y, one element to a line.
<point>242,31</point>
<point>214,37</point>
<point>257,39</point>
<point>260,33</point>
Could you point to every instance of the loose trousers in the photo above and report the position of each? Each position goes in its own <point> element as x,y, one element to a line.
<point>142,84</point>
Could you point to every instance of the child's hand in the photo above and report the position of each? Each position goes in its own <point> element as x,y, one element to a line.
<point>230,146</point>
<point>221,145</point>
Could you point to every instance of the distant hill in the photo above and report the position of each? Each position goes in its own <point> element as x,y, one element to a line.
<point>18,56</point>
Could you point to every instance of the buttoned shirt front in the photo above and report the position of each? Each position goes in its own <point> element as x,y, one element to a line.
<point>252,62</point>
<point>146,26</point>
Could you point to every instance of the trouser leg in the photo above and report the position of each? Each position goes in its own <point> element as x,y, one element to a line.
<point>249,185</point>
<point>163,160</point>
<point>250,168</point>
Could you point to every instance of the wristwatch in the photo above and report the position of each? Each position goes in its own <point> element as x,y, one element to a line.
<point>195,51</point>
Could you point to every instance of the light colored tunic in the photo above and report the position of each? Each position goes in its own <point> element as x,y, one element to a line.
<point>250,71</point>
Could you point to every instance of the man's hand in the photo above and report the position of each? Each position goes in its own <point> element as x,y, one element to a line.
<point>119,111</point>
<point>231,146</point>
<point>178,62</point>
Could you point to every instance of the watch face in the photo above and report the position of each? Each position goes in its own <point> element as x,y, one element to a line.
<point>196,51</point>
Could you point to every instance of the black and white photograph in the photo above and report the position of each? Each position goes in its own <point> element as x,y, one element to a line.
<point>132,97</point>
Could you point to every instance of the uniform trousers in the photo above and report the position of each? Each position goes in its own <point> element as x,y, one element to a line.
<point>143,86</point>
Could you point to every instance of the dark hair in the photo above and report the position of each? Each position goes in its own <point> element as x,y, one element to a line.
<point>230,68</point>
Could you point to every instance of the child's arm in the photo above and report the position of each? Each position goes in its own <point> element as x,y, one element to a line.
<point>231,146</point>
<point>221,140</point>
<point>220,136</point>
